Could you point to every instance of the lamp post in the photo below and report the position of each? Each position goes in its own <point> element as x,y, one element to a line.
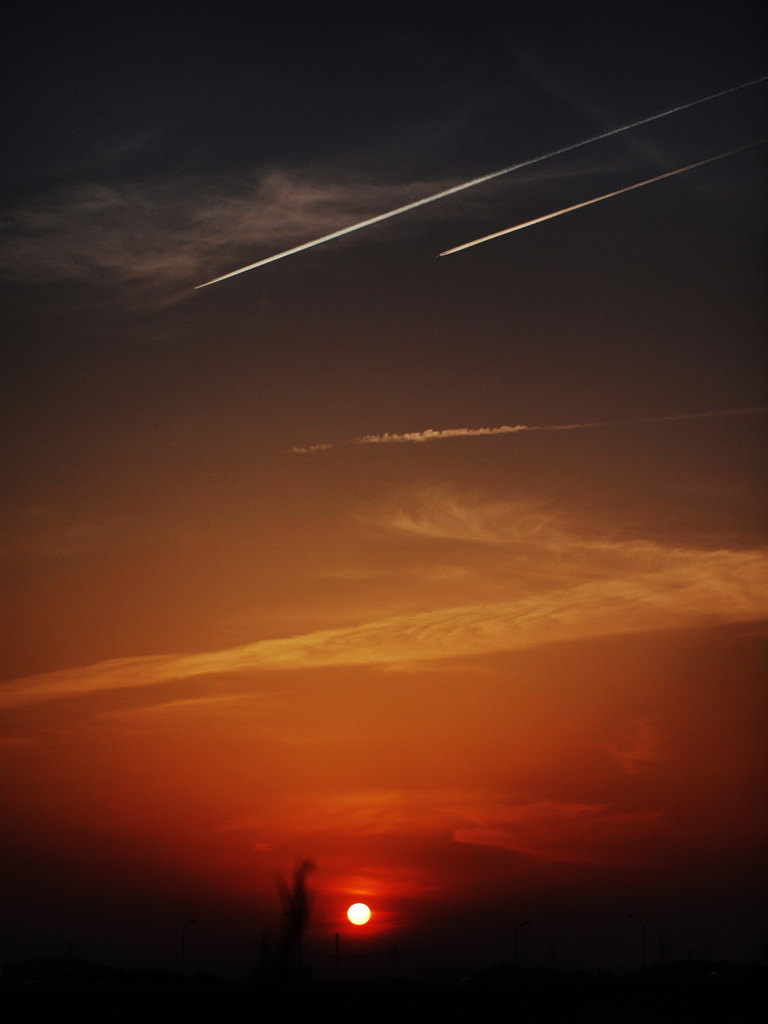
<point>642,935</point>
<point>298,923</point>
<point>514,945</point>
<point>184,946</point>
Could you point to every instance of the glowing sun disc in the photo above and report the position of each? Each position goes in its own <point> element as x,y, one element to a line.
<point>359,913</point>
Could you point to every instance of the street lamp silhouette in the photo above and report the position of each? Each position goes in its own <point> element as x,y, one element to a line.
<point>297,923</point>
<point>642,934</point>
<point>184,946</point>
<point>522,925</point>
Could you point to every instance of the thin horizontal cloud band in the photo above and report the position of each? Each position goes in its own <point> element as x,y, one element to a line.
<point>420,436</point>
<point>681,588</point>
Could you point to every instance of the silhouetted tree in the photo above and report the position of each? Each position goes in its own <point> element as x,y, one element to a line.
<point>296,902</point>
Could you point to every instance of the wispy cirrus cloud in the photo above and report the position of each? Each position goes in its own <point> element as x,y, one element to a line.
<point>563,832</point>
<point>161,236</point>
<point>166,234</point>
<point>441,513</point>
<point>639,587</point>
<point>549,830</point>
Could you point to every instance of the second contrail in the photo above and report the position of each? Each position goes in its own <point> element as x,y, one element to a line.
<point>420,436</point>
<point>479,181</point>
<point>588,202</point>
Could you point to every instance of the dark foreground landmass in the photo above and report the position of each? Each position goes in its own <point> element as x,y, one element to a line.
<point>731,1000</point>
<point>730,996</point>
<point>625,1004</point>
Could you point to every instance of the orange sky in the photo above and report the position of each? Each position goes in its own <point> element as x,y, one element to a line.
<point>559,712</point>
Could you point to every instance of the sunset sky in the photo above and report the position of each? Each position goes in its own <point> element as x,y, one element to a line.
<point>257,610</point>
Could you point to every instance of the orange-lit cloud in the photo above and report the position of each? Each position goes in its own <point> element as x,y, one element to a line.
<point>586,587</point>
<point>644,746</point>
<point>567,832</point>
<point>547,830</point>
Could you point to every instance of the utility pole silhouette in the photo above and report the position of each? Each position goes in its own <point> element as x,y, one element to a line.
<point>514,941</point>
<point>184,946</point>
<point>642,936</point>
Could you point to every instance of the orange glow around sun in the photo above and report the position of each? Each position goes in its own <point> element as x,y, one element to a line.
<point>359,913</point>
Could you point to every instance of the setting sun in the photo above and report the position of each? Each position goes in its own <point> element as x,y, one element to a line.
<point>359,913</point>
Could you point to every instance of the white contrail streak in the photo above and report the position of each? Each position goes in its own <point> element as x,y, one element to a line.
<point>588,202</point>
<point>479,181</point>
<point>420,436</point>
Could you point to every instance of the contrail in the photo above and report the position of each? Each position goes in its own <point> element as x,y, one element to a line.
<point>588,202</point>
<point>420,436</point>
<point>479,181</point>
